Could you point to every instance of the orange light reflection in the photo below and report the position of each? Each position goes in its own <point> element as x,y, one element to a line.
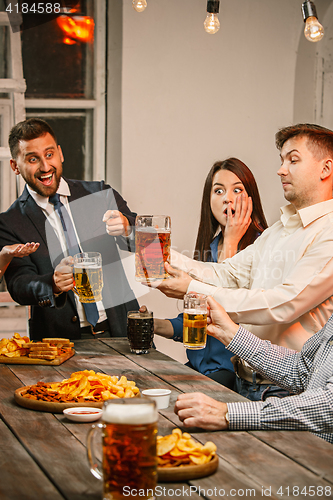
<point>77,28</point>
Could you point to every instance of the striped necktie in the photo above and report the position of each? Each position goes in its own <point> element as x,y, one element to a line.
<point>73,247</point>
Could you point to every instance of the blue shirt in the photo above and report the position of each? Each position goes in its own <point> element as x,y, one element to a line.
<point>214,356</point>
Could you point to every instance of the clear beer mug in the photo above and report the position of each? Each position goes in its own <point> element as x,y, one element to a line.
<point>195,321</point>
<point>152,247</point>
<point>88,276</point>
<point>129,431</point>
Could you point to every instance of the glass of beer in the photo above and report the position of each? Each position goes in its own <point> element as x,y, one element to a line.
<point>88,276</point>
<point>140,331</point>
<point>129,430</point>
<point>152,247</point>
<point>195,321</point>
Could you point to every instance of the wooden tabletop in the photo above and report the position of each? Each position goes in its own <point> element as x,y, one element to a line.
<point>43,455</point>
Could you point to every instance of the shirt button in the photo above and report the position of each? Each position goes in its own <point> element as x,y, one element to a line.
<point>74,319</point>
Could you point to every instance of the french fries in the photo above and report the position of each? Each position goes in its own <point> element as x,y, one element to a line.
<point>179,449</point>
<point>84,386</point>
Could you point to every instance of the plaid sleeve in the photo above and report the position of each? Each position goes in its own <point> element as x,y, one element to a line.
<point>285,367</point>
<point>310,411</point>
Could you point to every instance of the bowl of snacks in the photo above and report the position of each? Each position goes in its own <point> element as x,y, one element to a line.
<point>180,457</point>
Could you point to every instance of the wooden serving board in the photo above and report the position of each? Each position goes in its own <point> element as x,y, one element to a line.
<point>25,360</point>
<point>49,406</point>
<point>176,474</point>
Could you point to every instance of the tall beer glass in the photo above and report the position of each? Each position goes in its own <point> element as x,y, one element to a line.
<point>140,331</point>
<point>152,246</point>
<point>195,321</point>
<point>88,276</point>
<point>129,430</point>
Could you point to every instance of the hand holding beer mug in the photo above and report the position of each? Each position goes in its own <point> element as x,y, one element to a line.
<point>129,430</point>
<point>195,321</point>
<point>140,331</point>
<point>88,276</point>
<point>152,247</point>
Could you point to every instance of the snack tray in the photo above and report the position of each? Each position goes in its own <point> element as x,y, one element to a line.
<point>25,360</point>
<point>49,406</point>
<point>174,474</point>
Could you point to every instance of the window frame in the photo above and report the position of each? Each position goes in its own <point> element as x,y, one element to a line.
<point>96,105</point>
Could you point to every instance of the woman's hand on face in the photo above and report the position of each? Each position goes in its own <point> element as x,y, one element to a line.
<point>238,224</point>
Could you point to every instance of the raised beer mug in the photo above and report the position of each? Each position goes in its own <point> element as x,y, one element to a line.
<point>88,276</point>
<point>152,247</point>
<point>129,460</point>
<point>195,321</point>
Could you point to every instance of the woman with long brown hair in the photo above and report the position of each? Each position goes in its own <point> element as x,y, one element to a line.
<point>231,219</point>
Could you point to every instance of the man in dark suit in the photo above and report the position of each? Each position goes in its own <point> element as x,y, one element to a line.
<point>102,221</point>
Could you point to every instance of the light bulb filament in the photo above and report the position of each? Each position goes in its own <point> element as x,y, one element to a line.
<point>212,23</point>
<point>139,5</point>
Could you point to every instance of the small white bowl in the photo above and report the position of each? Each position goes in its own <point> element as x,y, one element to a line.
<point>83,414</point>
<point>160,396</point>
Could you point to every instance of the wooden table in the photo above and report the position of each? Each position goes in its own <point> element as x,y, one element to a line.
<point>43,456</point>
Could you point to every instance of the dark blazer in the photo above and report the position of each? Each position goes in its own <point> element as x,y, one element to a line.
<point>29,279</point>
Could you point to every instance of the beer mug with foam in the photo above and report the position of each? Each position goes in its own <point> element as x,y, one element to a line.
<point>88,276</point>
<point>129,430</point>
<point>152,247</point>
<point>195,321</point>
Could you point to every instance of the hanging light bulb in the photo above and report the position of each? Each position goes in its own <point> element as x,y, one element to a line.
<point>139,5</point>
<point>313,30</point>
<point>212,23</point>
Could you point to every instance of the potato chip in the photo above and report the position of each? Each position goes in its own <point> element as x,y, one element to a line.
<point>166,444</point>
<point>180,450</point>
<point>83,386</point>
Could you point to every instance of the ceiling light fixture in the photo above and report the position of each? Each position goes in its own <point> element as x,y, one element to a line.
<point>313,30</point>
<point>139,5</point>
<point>212,23</point>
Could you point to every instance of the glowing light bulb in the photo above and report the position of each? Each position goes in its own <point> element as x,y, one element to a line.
<point>139,5</point>
<point>313,30</point>
<point>212,23</point>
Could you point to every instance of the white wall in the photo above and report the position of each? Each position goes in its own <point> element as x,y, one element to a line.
<point>189,99</point>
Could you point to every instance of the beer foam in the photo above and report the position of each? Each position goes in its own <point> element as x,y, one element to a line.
<point>130,414</point>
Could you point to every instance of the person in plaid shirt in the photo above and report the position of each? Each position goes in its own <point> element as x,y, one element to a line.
<point>308,374</point>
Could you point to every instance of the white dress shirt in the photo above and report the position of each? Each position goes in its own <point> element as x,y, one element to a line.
<point>54,220</point>
<point>280,287</point>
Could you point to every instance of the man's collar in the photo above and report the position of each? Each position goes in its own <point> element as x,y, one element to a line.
<point>307,214</point>
<point>42,201</point>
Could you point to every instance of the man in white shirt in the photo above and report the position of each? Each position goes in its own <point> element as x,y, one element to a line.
<point>279,288</point>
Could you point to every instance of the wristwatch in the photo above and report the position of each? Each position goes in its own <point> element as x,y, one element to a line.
<point>226,416</point>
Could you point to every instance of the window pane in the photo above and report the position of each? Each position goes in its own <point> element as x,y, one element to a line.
<point>73,131</point>
<point>51,67</point>
<point>4,55</point>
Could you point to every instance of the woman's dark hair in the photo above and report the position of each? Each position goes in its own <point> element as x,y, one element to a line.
<point>209,225</point>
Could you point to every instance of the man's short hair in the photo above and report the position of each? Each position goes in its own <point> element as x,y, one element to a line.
<point>319,139</point>
<point>26,131</point>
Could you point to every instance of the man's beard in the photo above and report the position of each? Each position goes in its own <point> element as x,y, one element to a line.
<point>45,191</point>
